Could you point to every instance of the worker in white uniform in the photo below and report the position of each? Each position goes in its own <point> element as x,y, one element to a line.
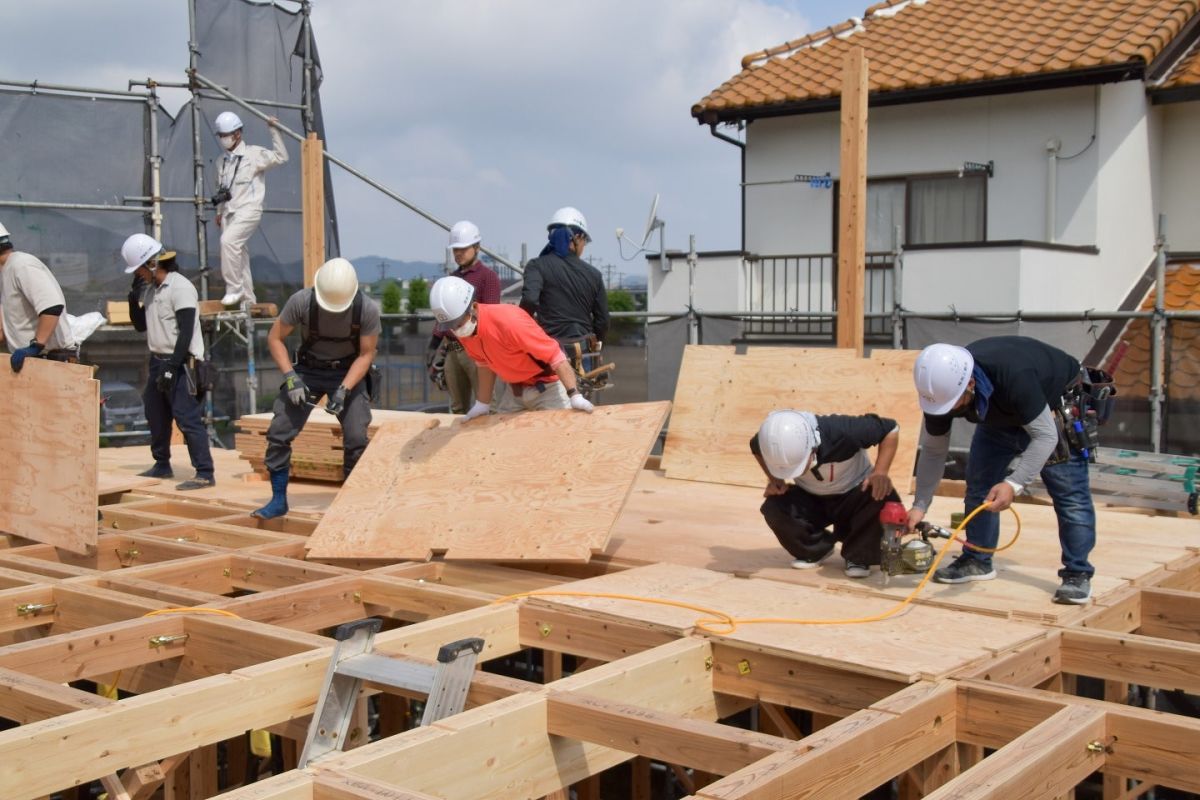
<point>164,304</point>
<point>241,187</point>
<point>32,305</point>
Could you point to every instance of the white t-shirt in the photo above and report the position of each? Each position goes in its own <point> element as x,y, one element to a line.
<point>161,302</point>
<point>27,287</point>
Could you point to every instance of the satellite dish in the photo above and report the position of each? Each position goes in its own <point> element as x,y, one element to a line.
<point>651,221</point>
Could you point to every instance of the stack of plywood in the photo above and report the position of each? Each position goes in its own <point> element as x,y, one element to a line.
<point>317,451</point>
<point>722,397</point>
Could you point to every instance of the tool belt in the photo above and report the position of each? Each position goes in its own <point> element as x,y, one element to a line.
<point>308,361</point>
<point>1087,403</point>
<point>453,345</point>
<point>519,388</point>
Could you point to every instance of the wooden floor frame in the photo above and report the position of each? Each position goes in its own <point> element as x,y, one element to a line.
<point>1008,726</point>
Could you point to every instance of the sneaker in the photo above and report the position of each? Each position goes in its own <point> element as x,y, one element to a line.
<point>964,569</point>
<point>801,563</point>
<point>158,471</point>
<point>857,570</point>
<point>231,299</point>
<point>195,483</point>
<point>1075,588</point>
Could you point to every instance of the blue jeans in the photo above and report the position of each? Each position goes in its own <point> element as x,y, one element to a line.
<point>992,449</point>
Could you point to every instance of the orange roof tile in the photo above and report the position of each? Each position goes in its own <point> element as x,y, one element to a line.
<point>1132,375</point>
<point>1184,73</point>
<point>920,44</point>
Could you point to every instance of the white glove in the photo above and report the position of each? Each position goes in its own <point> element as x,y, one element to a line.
<point>581,403</point>
<point>478,410</point>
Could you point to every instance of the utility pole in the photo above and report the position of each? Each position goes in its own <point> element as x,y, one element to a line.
<point>382,270</point>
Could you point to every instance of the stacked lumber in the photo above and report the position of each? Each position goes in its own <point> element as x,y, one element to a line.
<point>317,451</point>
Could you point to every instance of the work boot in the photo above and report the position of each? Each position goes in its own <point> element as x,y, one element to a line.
<point>159,470</point>
<point>964,569</point>
<point>1076,589</point>
<point>278,506</point>
<point>198,482</point>
<point>855,570</point>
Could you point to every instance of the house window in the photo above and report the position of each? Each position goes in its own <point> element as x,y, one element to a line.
<point>928,209</point>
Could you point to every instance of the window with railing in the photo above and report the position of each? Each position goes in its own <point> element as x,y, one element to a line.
<point>926,209</point>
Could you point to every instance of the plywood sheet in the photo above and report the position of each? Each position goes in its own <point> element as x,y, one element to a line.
<point>49,435</point>
<point>720,528</point>
<point>920,642</point>
<point>722,397</point>
<point>544,485</point>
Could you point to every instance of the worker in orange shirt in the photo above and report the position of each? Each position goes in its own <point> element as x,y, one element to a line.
<point>505,341</point>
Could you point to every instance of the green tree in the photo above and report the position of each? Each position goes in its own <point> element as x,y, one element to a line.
<point>391,298</point>
<point>418,294</point>
<point>620,300</point>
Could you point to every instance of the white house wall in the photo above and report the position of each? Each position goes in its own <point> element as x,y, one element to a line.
<point>1180,181</point>
<point>719,284</point>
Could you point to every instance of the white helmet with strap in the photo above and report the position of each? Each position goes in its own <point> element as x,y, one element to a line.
<point>941,374</point>
<point>572,218</point>
<point>138,249</point>
<point>450,300</point>
<point>464,234</point>
<point>227,122</point>
<point>786,441</point>
<point>335,285</point>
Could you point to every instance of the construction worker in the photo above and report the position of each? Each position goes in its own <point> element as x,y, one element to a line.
<point>32,307</point>
<point>339,331</point>
<point>241,188</point>
<point>833,483</point>
<point>505,342</point>
<point>1011,387</point>
<point>563,292</point>
<point>163,303</point>
<point>461,376</point>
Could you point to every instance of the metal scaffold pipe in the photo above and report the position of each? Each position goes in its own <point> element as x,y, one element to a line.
<point>36,86</point>
<point>1158,335</point>
<point>70,206</point>
<point>203,81</point>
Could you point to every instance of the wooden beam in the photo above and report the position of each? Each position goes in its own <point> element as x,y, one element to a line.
<point>578,634</point>
<point>854,755</point>
<point>1171,614</point>
<point>668,738</point>
<point>1028,665</point>
<point>1045,762</point>
<point>992,716</point>
<point>1136,659</point>
<point>25,699</point>
<point>312,188</point>
<point>332,786</point>
<point>852,202</point>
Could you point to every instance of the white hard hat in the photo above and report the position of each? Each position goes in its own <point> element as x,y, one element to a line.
<point>786,440</point>
<point>572,218</point>
<point>3,232</point>
<point>450,300</point>
<point>336,284</point>
<point>138,249</point>
<point>941,374</point>
<point>227,122</point>
<point>464,234</point>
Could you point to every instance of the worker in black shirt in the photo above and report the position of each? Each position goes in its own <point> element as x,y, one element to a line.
<point>1011,387</point>
<point>565,294</point>
<point>834,483</point>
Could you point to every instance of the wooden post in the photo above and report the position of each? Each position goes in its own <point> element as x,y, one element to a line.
<point>852,203</point>
<point>312,183</point>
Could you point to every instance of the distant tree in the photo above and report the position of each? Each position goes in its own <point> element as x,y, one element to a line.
<point>620,300</point>
<point>392,297</point>
<point>418,294</point>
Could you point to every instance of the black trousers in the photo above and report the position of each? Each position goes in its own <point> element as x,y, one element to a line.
<point>800,521</point>
<point>179,404</point>
<point>289,420</point>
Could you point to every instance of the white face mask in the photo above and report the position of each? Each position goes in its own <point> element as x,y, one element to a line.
<point>466,329</point>
<point>226,141</point>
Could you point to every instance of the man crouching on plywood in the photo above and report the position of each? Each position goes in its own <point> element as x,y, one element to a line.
<point>833,483</point>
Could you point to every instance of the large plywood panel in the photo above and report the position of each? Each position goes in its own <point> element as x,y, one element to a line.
<point>544,485</point>
<point>921,642</point>
<point>49,435</point>
<point>722,397</point>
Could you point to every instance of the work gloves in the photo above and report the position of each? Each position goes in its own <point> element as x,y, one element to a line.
<point>478,410</point>
<point>336,402</point>
<point>19,355</point>
<point>581,403</point>
<point>135,290</point>
<point>294,387</point>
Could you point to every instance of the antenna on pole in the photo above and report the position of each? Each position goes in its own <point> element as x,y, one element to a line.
<point>653,223</point>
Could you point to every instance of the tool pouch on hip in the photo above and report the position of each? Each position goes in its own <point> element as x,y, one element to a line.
<point>206,376</point>
<point>1099,393</point>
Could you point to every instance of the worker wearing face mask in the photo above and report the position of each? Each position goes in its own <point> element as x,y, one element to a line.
<point>241,187</point>
<point>505,341</point>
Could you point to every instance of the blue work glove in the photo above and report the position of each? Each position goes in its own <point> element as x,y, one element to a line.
<point>165,382</point>
<point>336,403</point>
<point>294,387</point>
<point>19,355</point>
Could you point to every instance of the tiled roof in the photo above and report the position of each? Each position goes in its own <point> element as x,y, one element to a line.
<point>921,44</point>
<point>1184,73</point>
<point>1182,364</point>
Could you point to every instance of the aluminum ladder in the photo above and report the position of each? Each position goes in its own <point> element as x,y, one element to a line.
<point>446,683</point>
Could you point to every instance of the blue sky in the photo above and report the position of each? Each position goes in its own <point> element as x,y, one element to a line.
<point>496,112</point>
